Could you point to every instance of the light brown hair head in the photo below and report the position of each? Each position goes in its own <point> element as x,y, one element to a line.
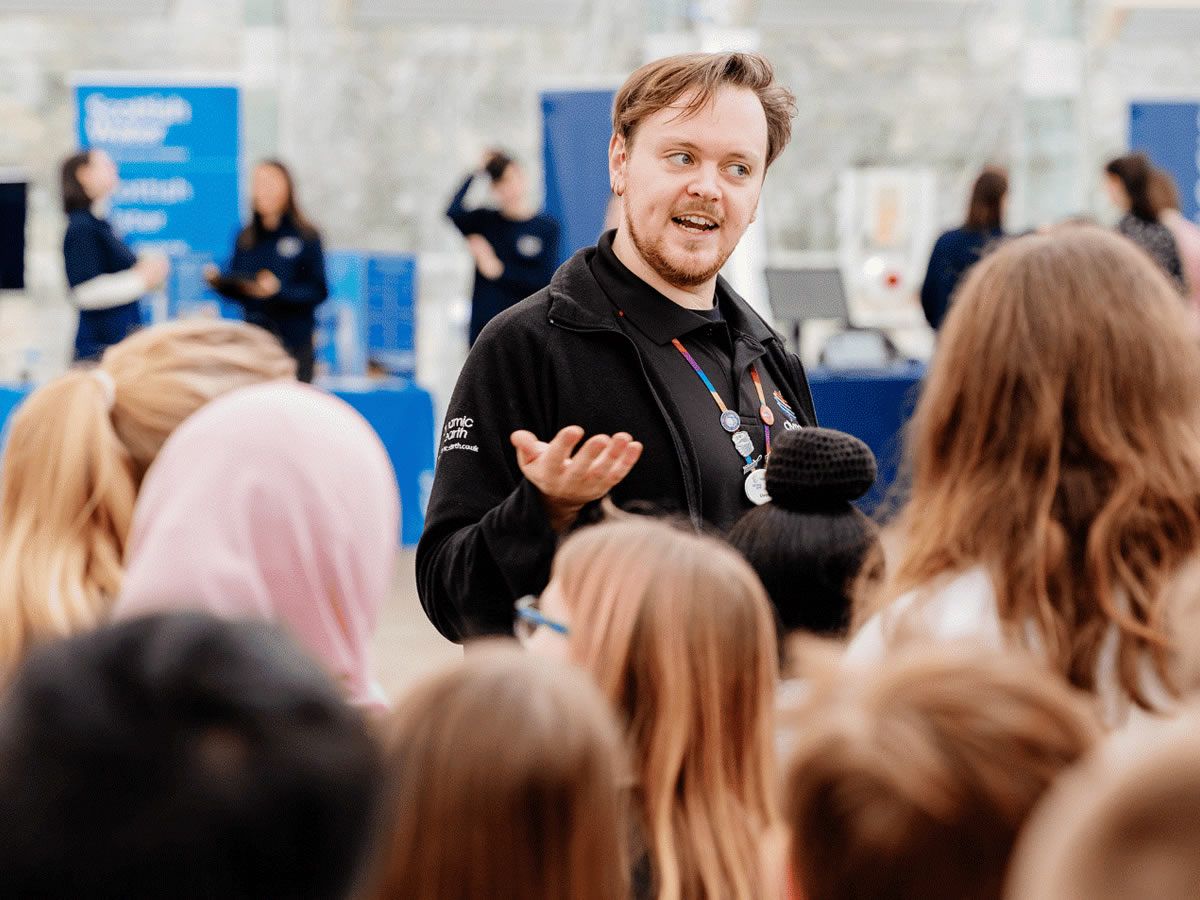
<point>913,779</point>
<point>678,632</point>
<point>505,782</point>
<point>76,452</point>
<point>1056,443</point>
<point>664,82</point>
<point>1118,829</point>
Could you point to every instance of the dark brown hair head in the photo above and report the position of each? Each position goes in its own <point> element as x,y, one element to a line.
<point>985,211</point>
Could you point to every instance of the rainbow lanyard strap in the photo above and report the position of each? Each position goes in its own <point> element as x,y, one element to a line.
<point>730,420</point>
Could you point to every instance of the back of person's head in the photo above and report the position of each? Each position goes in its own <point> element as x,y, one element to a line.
<point>985,212</point>
<point>1134,170</point>
<point>75,454</point>
<point>74,195</point>
<point>185,757</point>
<point>1164,193</point>
<point>678,632</point>
<point>1056,443</point>
<point>914,779</point>
<point>809,543</point>
<point>292,498</point>
<point>1117,829</point>
<point>505,783</point>
<point>497,164</point>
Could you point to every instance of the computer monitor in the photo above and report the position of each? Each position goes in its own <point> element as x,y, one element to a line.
<point>798,294</point>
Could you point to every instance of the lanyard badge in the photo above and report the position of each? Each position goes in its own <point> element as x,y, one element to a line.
<point>756,481</point>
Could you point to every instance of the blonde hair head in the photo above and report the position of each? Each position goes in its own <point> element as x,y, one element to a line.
<point>914,779</point>
<point>678,632</point>
<point>1118,828</point>
<point>76,451</point>
<point>1057,444</point>
<point>504,783</point>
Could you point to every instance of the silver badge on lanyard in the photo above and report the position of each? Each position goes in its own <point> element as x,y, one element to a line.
<point>742,442</point>
<point>756,487</point>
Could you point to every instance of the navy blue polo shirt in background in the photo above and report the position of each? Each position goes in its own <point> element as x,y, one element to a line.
<point>298,261</point>
<point>91,248</point>
<point>717,341</point>
<point>528,249</point>
<point>953,254</point>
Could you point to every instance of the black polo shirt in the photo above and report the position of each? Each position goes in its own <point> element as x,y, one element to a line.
<point>718,341</point>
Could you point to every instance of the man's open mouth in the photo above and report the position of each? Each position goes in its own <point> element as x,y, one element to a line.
<point>695,224</point>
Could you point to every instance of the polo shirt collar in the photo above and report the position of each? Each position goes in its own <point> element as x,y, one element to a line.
<point>657,316</point>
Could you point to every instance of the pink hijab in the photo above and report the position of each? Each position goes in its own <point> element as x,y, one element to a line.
<point>273,502</point>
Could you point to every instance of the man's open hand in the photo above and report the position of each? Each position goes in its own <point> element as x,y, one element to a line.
<point>569,482</point>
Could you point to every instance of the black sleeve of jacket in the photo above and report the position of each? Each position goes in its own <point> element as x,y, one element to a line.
<point>487,540</point>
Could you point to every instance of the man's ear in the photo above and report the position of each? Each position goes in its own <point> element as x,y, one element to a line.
<point>617,160</point>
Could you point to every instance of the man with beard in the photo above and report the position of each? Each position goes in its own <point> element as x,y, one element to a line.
<point>637,345</point>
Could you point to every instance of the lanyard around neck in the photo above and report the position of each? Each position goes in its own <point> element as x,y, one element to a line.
<point>730,420</point>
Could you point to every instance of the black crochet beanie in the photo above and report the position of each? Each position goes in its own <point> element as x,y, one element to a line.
<point>812,468</point>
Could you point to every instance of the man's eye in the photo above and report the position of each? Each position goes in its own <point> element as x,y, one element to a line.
<point>681,158</point>
<point>739,170</point>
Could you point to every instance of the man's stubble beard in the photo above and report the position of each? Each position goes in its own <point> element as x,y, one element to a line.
<point>668,271</point>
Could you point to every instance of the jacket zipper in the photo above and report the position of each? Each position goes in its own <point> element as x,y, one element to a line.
<point>693,505</point>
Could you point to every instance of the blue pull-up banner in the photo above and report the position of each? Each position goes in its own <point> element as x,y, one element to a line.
<point>177,149</point>
<point>1169,133</point>
<point>576,127</point>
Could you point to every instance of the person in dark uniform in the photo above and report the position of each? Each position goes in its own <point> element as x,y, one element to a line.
<point>960,248</point>
<point>515,247</point>
<point>105,277</point>
<point>277,272</point>
<point>637,345</point>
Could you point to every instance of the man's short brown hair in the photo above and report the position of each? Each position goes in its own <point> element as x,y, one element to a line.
<point>913,779</point>
<point>661,83</point>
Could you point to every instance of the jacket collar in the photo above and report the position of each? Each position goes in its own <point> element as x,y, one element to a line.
<point>578,301</point>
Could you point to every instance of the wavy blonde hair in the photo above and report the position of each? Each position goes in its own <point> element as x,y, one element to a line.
<point>1057,444</point>
<point>678,632</point>
<point>72,466</point>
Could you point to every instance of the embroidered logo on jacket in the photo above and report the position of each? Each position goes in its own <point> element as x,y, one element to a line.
<point>457,431</point>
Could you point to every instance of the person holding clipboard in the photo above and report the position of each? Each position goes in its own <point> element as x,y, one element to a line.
<point>277,272</point>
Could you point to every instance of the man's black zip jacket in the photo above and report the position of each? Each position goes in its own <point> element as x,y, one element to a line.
<point>559,358</point>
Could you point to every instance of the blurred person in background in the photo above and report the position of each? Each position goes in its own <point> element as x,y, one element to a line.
<point>1055,471</point>
<point>504,783</point>
<point>1128,182</point>
<point>676,630</point>
<point>77,450</point>
<point>913,778</point>
<point>183,757</point>
<point>105,277</point>
<point>277,272</point>
<point>514,247</point>
<point>959,249</point>
<point>275,502</point>
<point>1165,197</point>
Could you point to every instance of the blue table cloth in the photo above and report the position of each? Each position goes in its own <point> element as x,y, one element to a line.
<point>874,405</point>
<point>399,411</point>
